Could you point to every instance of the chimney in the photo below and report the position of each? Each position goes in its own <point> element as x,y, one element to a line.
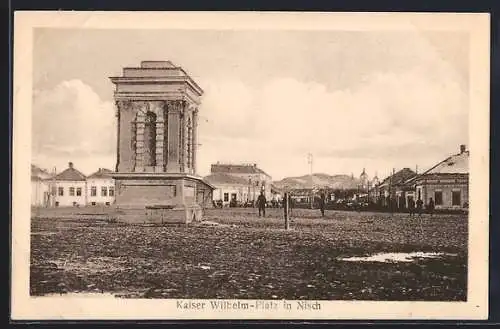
<point>462,148</point>
<point>70,164</point>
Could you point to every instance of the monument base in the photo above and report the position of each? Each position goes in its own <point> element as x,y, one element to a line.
<point>160,198</point>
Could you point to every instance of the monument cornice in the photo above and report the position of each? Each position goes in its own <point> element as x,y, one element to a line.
<point>158,80</point>
<point>154,96</point>
<point>151,175</point>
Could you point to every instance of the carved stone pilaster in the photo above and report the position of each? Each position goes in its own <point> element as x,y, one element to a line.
<point>174,135</point>
<point>195,139</point>
<point>185,117</point>
<point>139,138</point>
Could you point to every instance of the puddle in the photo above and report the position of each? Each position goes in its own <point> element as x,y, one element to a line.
<point>391,257</point>
<point>105,295</point>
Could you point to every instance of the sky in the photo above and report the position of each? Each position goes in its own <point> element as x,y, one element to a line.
<point>354,99</point>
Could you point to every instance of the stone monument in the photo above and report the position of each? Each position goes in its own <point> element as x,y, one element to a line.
<point>157,111</point>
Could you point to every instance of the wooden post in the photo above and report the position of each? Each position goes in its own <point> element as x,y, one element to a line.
<point>285,209</point>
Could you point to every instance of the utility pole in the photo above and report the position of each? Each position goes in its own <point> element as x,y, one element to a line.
<point>286,210</point>
<point>310,162</point>
<point>391,205</point>
<point>53,188</point>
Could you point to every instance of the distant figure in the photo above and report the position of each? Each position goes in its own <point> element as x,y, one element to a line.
<point>261,203</point>
<point>411,207</point>
<point>430,206</point>
<point>420,204</point>
<point>322,204</point>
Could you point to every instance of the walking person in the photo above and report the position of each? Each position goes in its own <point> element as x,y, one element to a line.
<point>430,206</point>
<point>261,203</point>
<point>420,204</point>
<point>411,207</point>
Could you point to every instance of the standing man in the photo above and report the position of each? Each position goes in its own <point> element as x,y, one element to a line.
<point>261,203</point>
<point>430,206</point>
<point>322,204</point>
<point>420,204</point>
<point>411,207</point>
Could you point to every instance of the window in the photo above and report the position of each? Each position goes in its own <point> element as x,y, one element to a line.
<point>78,191</point>
<point>233,196</point>
<point>93,203</point>
<point>93,191</point>
<point>438,198</point>
<point>111,191</point>
<point>226,197</point>
<point>60,191</point>
<point>71,191</point>
<point>104,191</point>
<point>455,198</point>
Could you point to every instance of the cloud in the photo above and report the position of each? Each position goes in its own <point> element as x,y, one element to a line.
<point>71,123</point>
<point>398,116</point>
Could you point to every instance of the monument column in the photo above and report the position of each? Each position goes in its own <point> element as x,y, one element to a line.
<point>160,130</point>
<point>119,106</point>
<point>194,142</point>
<point>184,148</point>
<point>174,125</point>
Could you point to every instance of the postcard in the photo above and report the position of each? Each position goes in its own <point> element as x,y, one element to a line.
<point>250,165</point>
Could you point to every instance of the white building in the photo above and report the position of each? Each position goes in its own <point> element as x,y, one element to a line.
<point>70,188</point>
<point>40,187</point>
<point>100,188</point>
<point>256,180</point>
<point>228,187</point>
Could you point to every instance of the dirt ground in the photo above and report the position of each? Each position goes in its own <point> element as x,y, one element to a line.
<point>248,257</point>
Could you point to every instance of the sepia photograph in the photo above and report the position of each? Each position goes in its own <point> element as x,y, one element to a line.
<point>246,165</point>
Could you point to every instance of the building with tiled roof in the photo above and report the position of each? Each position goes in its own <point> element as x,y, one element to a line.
<point>394,187</point>
<point>231,188</point>
<point>101,188</point>
<point>70,174</point>
<point>447,183</point>
<point>237,169</point>
<point>221,178</point>
<point>255,178</point>
<point>38,173</point>
<point>70,187</point>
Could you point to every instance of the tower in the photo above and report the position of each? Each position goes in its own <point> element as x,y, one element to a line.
<point>157,113</point>
<point>363,178</point>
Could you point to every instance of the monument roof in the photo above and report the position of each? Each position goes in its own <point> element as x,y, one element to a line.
<point>156,72</point>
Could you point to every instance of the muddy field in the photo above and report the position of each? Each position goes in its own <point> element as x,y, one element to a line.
<point>239,255</point>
